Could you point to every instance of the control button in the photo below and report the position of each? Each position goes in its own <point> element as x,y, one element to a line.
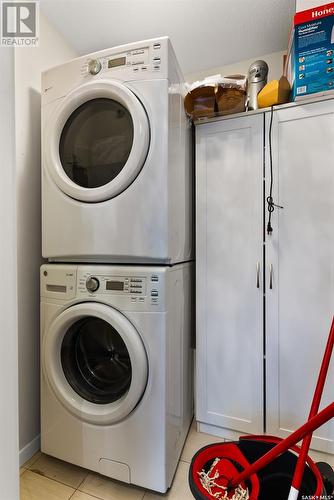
<point>135,291</point>
<point>154,277</point>
<point>136,286</point>
<point>144,68</point>
<point>135,69</point>
<point>141,299</point>
<point>136,280</point>
<point>157,60</point>
<point>154,293</point>
<point>156,46</point>
<point>92,284</point>
<point>94,66</point>
<point>137,52</point>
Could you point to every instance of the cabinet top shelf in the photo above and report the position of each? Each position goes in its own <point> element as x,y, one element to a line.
<point>201,121</point>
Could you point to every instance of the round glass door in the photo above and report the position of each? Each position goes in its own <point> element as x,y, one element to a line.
<point>95,362</point>
<point>96,142</point>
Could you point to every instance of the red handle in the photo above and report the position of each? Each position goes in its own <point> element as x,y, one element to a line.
<point>299,471</point>
<point>310,426</point>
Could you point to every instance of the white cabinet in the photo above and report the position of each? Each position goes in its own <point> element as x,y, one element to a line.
<point>301,252</point>
<point>259,347</point>
<point>229,193</point>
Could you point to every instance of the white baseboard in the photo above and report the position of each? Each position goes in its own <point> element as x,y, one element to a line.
<point>29,450</point>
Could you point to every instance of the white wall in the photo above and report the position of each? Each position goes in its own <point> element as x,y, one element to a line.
<point>8,302</point>
<point>29,62</point>
<point>274,61</point>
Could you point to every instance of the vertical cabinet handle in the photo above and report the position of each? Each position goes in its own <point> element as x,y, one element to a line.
<point>258,275</point>
<point>271,277</point>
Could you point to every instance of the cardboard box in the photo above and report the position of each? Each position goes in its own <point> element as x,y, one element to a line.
<point>312,52</point>
<point>307,4</point>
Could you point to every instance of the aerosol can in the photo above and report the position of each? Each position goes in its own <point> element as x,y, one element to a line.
<point>257,79</point>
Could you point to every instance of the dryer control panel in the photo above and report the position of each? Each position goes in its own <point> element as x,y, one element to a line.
<point>141,59</point>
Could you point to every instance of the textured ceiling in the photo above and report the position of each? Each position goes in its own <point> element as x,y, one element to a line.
<point>205,33</point>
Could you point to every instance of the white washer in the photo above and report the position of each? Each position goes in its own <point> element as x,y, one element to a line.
<point>116,376</point>
<point>116,170</point>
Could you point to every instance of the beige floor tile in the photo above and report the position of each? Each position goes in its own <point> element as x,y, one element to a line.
<point>195,441</point>
<point>78,495</point>
<point>108,489</point>
<point>65,473</point>
<point>35,487</point>
<point>32,460</point>
<point>179,490</point>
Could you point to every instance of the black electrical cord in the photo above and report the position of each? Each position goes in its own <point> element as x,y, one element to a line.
<point>270,200</point>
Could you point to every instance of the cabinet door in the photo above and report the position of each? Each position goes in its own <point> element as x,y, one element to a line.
<point>229,236</point>
<point>300,304</point>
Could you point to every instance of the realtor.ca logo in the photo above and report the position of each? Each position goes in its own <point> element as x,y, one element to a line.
<point>19,24</point>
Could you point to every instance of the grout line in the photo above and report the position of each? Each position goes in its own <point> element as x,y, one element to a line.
<point>84,479</point>
<point>88,494</point>
<point>32,460</point>
<point>57,480</point>
<point>50,479</point>
<point>22,473</point>
<point>112,480</point>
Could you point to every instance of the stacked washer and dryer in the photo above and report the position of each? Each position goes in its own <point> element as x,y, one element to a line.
<point>116,376</point>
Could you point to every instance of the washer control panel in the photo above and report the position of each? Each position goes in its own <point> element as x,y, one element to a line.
<point>92,284</point>
<point>130,288</point>
<point>58,281</point>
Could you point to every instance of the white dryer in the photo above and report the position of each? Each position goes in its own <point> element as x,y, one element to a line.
<point>116,377</point>
<point>116,171</point>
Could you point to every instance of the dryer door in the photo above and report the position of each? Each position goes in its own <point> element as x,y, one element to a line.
<point>95,362</point>
<point>96,141</point>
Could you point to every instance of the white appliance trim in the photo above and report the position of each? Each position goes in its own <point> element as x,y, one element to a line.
<point>105,414</point>
<point>141,138</point>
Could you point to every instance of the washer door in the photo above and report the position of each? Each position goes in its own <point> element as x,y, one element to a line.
<point>96,142</point>
<point>95,363</point>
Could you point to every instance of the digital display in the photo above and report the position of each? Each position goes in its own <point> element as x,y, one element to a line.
<point>113,63</point>
<point>56,288</point>
<point>115,285</point>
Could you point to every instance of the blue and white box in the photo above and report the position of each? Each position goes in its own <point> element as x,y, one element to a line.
<point>312,52</point>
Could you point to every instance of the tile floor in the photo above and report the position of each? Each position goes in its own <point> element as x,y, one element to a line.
<point>46,478</point>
